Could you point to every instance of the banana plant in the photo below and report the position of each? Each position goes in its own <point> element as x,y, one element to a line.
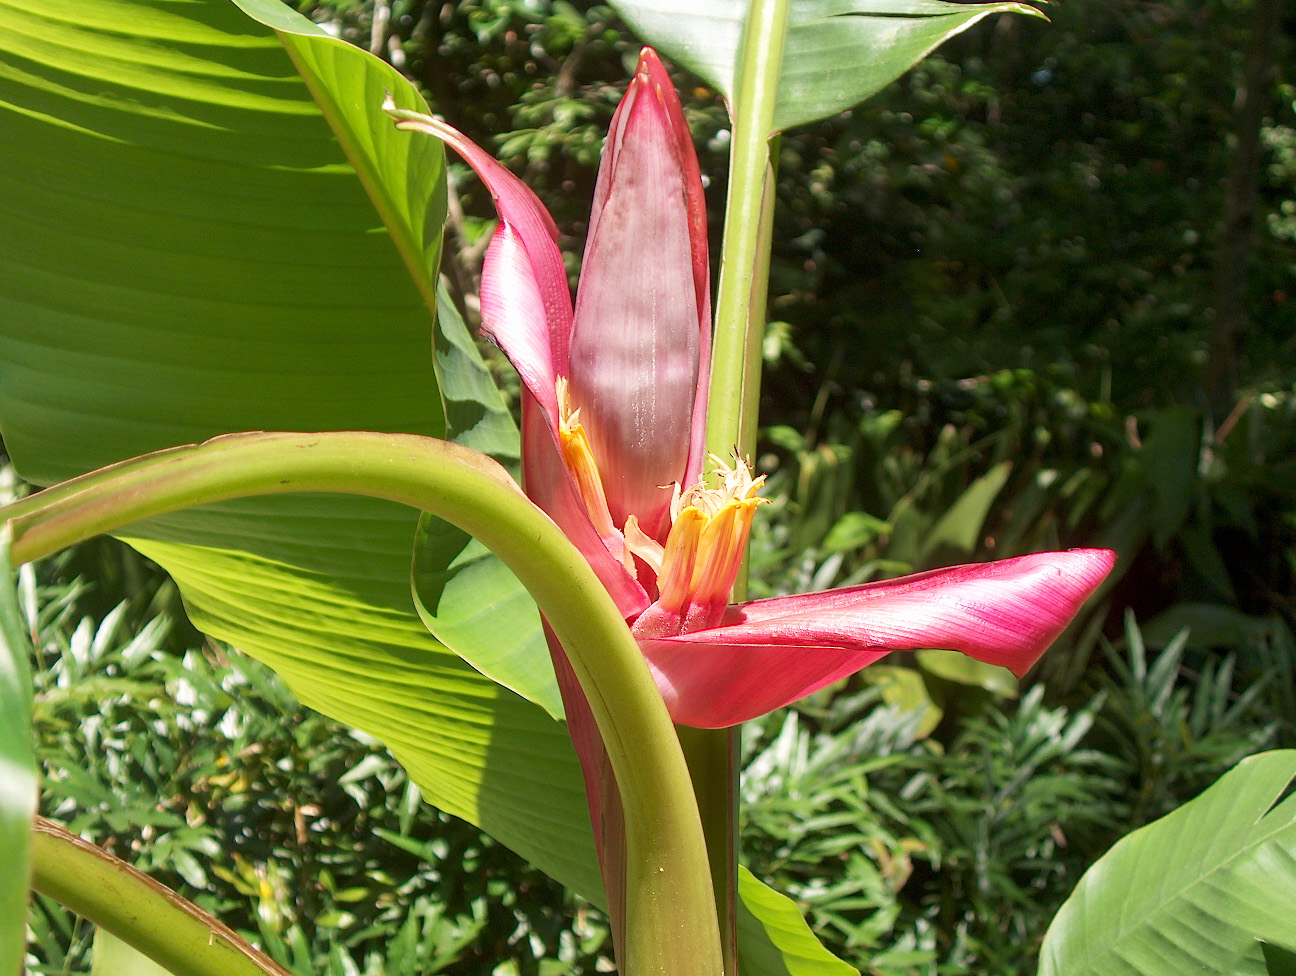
<point>254,247</point>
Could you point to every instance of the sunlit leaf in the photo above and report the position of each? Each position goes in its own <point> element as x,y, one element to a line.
<point>1196,891</point>
<point>905,689</point>
<point>774,938</point>
<point>960,527</point>
<point>198,239</point>
<point>963,670</point>
<point>837,53</point>
<point>113,957</point>
<point>852,530</point>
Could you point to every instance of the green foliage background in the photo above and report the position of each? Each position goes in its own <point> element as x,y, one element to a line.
<point>993,295</point>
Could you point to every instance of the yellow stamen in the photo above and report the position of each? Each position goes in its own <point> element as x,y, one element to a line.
<point>709,528</point>
<point>579,457</point>
<point>704,549</point>
<point>675,579</point>
<point>643,545</point>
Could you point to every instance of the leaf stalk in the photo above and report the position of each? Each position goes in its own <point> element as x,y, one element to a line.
<point>170,930</point>
<point>669,898</point>
<point>734,396</point>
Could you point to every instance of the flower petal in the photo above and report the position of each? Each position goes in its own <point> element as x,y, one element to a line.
<point>695,203</point>
<point>641,336</point>
<point>769,653</point>
<point>548,483</point>
<point>513,316</point>
<point>533,226</point>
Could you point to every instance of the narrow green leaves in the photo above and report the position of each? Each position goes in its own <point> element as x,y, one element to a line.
<point>837,53</point>
<point>1198,891</point>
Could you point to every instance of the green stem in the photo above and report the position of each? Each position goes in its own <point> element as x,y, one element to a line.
<point>712,757</point>
<point>170,930</point>
<point>671,922</point>
<point>19,789</point>
<point>744,256</point>
<point>712,754</point>
<point>754,340</point>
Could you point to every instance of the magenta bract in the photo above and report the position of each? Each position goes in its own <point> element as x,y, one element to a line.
<point>613,420</point>
<point>768,653</point>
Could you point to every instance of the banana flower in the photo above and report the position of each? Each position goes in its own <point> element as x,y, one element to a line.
<point>613,414</point>
<point>613,418</point>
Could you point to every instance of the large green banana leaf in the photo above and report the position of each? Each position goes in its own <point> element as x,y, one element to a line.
<point>186,250</point>
<point>1207,889</point>
<point>837,52</point>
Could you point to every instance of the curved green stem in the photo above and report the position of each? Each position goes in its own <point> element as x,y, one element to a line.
<point>672,928</point>
<point>170,930</point>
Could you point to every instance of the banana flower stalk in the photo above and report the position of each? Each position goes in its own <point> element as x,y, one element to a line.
<point>613,420</point>
<point>614,412</point>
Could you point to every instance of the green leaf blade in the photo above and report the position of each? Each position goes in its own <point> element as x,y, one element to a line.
<point>166,187</point>
<point>773,938</point>
<point>189,251</point>
<point>961,526</point>
<point>113,957</point>
<point>346,648</point>
<point>471,603</point>
<point>1278,961</point>
<point>404,177</point>
<point>18,789</point>
<point>838,52</point>
<point>1192,892</point>
<point>464,594</point>
<point>841,52</point>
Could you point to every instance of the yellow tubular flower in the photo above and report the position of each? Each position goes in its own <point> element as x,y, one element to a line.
<point>703,552</point>
<point>580,462</point>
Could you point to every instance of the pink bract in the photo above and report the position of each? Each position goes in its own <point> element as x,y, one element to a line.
<point>634,358</point>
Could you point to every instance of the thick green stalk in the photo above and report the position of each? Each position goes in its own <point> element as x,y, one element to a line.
<point>712,754</point>
<point>671,925</point>
<point>19,789</point>
<point>171,931</point>
<point>712,757</point>
<point>754,339</point>
<point>744,256</point>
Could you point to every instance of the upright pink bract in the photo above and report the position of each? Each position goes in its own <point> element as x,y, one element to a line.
<point>613,417</point>
<point>641,340</point>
